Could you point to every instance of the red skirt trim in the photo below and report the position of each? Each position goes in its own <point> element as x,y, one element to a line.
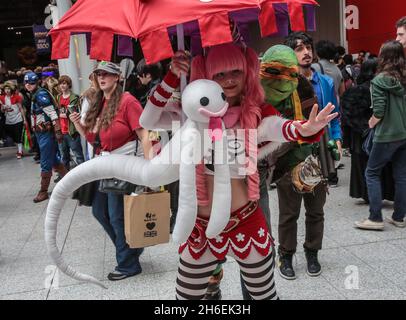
<point>250,232</point>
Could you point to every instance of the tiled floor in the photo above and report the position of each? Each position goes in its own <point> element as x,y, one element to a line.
<point>356,264</point>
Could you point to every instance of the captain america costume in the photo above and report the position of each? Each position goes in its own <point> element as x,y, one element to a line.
<point>45,124</point>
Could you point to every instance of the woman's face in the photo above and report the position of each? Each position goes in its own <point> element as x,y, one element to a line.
<point>106,80</point>
<point>7,91</point>
<point>64,87</point>
<point>232,82</point>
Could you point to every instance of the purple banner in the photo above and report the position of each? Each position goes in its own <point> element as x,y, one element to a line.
<point>42,41</point>
<point>310,18</point>
<point>124,46</point>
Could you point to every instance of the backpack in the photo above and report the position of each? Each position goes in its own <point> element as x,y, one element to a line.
<point>349,77</point>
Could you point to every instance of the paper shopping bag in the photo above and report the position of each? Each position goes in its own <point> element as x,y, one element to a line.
<point>146,219</point>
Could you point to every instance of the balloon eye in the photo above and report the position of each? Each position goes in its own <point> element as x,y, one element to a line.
<point>294,75</point>
<point>223,96</point>
<point>204,101</point>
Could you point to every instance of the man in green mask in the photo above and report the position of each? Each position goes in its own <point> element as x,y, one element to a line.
<point>293,96</point>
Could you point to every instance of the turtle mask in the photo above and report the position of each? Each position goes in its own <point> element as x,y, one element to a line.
<point>279,74</point>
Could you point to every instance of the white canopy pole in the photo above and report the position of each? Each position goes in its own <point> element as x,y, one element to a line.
<point>181,46</point>
<point>78,66</point>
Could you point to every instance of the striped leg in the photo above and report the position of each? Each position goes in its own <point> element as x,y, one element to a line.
<point>258,274</point>
<point>193,275</point>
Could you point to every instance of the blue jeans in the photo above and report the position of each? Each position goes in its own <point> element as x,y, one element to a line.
<point>74,144</point>
<point>48,150</point>
<point>108,209</point>
<point>381,154</point>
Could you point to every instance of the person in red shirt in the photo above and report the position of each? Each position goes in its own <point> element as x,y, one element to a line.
<point>11,105</point>
<point>68,103</point>
<point>113,116</point>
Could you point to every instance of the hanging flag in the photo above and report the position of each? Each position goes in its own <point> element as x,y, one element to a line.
<point>42,42</point>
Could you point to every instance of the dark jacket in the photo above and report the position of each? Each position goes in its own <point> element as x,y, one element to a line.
<point>356,107</point>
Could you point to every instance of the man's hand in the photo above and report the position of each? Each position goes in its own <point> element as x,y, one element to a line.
<point>373,122</point>
<point>316,121</point>
<point>145,79</point>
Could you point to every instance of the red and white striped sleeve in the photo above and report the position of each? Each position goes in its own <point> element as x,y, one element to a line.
<point>164,90</point>
<point>155,116</point>
<point>277,129</point>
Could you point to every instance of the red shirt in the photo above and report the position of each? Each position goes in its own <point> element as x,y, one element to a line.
<point>11,109</point>
<point>63,104</point>
<point>15,98</point>
<point>123,127</point>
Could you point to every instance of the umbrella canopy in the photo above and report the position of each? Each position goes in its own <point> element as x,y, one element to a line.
<point>149,20</point>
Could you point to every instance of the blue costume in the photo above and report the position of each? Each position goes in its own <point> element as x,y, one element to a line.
<point>45,124</point>
<point>324,89</point>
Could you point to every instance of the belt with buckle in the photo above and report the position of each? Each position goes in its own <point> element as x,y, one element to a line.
<point>43,127</point>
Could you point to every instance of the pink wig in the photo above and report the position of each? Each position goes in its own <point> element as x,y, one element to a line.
<point>223,58</point>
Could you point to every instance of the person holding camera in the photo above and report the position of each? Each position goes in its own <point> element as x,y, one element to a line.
<point>112,125</point>
<point>68,102</point>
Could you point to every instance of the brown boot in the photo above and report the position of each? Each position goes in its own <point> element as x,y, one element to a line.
<point>213,290</point>
<point>43,192</point>
<point>61,170</point>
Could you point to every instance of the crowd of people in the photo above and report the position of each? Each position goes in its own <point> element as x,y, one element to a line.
<point>367,92</point>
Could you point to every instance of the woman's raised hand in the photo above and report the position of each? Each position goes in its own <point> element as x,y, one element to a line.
<point>316,121</point>
<point>180,63</point>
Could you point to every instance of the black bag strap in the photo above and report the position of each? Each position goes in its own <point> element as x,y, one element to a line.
<point>321,68</point>
<point>97,142</point>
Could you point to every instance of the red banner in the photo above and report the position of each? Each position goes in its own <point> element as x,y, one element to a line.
<point>377,23</point>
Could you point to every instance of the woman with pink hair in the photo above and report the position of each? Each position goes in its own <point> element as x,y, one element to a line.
<point>246,237</point>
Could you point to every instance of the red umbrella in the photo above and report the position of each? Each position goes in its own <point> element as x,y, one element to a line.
<point>149,20</point>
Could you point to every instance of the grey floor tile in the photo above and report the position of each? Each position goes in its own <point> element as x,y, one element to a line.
<point>338,258</point>
<point>306,288</point>
<point>167,248</point>
<point>30,295</point>
<point>394,271</point>
<point>34,249</point>
<point>167,285</point>
<point>83,256</point>
<point>76,292</point>
<point>17,283</point>
<point>31,266</point>
<point>363,282</point>
<point>399,243</point>
<point>131,288</point>
<point>164,263</point>
<point>378,252</point>
<point>78,244</point>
